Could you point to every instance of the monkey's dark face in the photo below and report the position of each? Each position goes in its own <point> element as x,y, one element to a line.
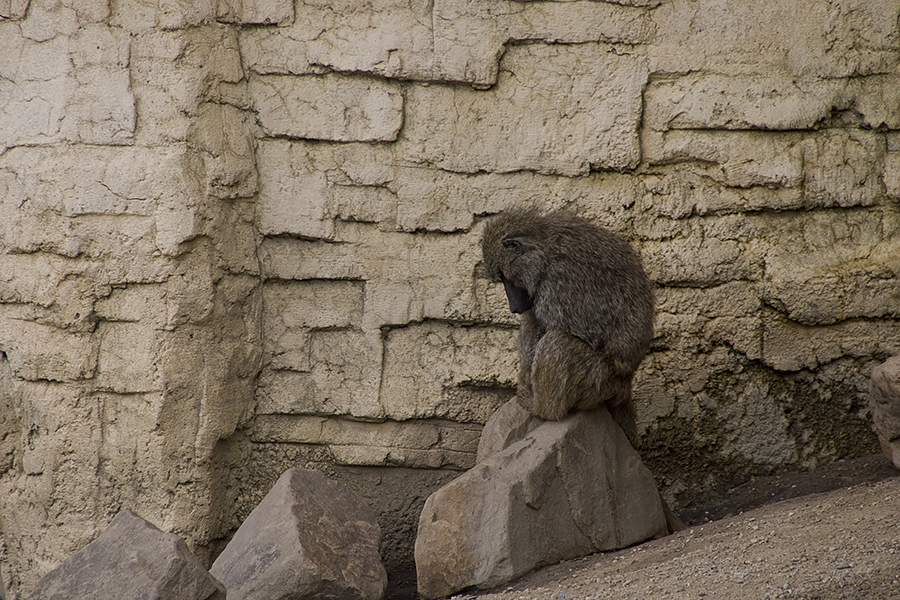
<point>512,257</point>
<point>519,298</point>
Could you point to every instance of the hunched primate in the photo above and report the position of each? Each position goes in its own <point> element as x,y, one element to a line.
<point>587,311</point>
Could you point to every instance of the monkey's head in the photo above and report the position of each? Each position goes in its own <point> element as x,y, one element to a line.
<point>512,254</point>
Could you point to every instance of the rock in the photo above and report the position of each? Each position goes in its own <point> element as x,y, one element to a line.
<point>310,537</point>
<point>509,424</point>
<point>319,107</point>
<point>131,559</point>
<point>567,489</point>
<point>884,402</point>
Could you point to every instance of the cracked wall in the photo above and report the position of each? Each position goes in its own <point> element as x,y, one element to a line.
<point>239,236</point>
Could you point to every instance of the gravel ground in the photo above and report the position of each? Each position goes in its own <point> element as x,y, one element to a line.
<point>843,543</point>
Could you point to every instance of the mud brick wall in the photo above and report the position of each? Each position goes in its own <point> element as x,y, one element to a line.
<point>241,235</point>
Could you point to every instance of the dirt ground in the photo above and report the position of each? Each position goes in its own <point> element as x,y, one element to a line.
<point>833,533</point>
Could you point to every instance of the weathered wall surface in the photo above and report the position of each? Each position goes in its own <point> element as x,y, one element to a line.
<point>241,235</point>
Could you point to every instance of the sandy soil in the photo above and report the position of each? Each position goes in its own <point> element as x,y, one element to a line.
<point>829,534</point>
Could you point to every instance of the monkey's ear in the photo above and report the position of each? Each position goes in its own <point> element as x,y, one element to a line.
<point>518,244</point>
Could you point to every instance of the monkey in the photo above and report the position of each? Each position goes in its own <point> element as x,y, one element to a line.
<point>587,311</point>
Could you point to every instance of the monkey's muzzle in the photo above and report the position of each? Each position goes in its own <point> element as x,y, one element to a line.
<point>519,298</point>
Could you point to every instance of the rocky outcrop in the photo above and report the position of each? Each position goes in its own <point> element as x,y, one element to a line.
<point>566,489</point>
<point>884,402</point>
<point>310,537</point>
<point>130,559</point>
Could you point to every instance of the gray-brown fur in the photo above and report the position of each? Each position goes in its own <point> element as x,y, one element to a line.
<point>587,311</point>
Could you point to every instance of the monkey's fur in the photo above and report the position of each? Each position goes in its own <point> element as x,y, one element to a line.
<point>587,311</point>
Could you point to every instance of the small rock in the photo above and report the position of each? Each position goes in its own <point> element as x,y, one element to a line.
<point>131,559</point>
<point>567,489</point>
<point>310,537</point>
<point>884,402</point>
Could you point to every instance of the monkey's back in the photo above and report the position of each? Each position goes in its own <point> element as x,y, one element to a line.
<point>594,287</point>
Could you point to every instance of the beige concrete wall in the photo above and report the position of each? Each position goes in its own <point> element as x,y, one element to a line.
<point>241,236</point>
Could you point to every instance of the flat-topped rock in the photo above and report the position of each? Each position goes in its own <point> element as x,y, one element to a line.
<point>310,537</point>
<point>566,489</point>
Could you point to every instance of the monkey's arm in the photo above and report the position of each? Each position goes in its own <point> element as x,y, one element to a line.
<point>529,334</point>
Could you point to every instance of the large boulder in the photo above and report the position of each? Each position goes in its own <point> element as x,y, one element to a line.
<point>566,489</point>
<point>884,403</point>
<point>310,537</point>
<point>131,559</point>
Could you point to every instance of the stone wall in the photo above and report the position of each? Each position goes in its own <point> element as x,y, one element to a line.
<point>239,236</point>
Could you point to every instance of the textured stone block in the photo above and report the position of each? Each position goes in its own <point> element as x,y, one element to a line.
<point>728,314</point>
<point>293,309</point>
<point>696,261</point>
<point>13,9</point>
<point>769,101</point>
<point>131,559</point>
<point>841,169</point>
<point>127,360</point>
<point>718,36</point>
<point>488,28</point>
<point>34,96</point>
<point>437,370</point>
<point>57,292</point>
<point>536,118</point>
<point>293,196</point>
<point>789,346</point>
<point>708,101</point>
<point>389,38</point>
<point>343,378</point>
<point>822,271</point>
<point>93,181</point>
<point>101,110</point>
<point>174,72</point>
<point>867,293</point>
<point>223,134</point>
<point>416,444</point>
<point>310,536</point>
<point>136,16</point>
<point>733,158</point>
<point>328,107</point>
<point>447,40</point>
<point>679,192</point>
<point>317,304</point>
<point>37,351</point>
<point>256,12</point>
<point>177,217</point>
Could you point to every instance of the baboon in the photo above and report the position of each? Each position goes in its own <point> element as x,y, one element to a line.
<point>587,311</point>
